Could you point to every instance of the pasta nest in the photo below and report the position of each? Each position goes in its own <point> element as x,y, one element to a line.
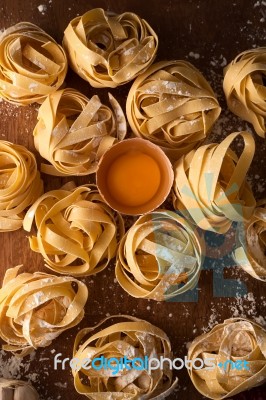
<point>36,308</point>
<point>11,389</point>
<point>73,132</point>
<point>20,184</point>
<point>160,257</point>
<point>234,341</point>
<point>250,253</point>
<point>32,64</point>
<point>172,105</point>
<point>108,50</point>
<point>128,338</point>
<point>210,186</point>
<point>77,232</point>
<point>244,87</point>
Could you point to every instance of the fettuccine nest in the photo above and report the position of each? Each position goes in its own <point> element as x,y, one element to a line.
<point>108,50</point>
<point>73,132</point>
<point>244,87</point>
<point>131,338</point>
<point>172,105</point>
<point>250,253</point>
<point>77,232</point>
<point>234,339</point>
<point>160,257</point>
<point>36,308</point>
<point>32,64</point>
<point>210,186</point>
<point>11,389</point>
<point>20,184</point>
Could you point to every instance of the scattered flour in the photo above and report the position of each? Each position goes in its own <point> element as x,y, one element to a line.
<point>240,306</point>
<point>15,367</point>
<point>42,8</point>
<point>194,55</point>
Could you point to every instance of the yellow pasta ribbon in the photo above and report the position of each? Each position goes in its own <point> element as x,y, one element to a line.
<point>172,105</point>
<point>250,253</point>
<point>210,185</point>
<point>36,308</point>
<point>131,338</point>
<point>20,184</point>
<point>244,87</point>
<point>77,232</point>
<point>73,132</point>
<point>160,257</point>
<point>32,64</point>
<point>108,50</point>
<point>234,339</point>
<point>11,389</point>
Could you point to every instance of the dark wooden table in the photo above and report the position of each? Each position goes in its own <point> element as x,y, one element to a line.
<point>209,33</point>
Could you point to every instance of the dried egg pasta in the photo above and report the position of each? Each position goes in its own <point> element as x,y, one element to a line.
<point>234,339</point>
<point>210,184</point>
<point>244,87</point>
<point>250,253</point>
<point>77,232</point>
<point>131,338</point>
<point>20,184</point>
<point>108,50</point>
<point>11,389</point>
<point>36,308</point>
<point>32,64</point>
<point>172,105</point>
<point>73,132</point>
<point>160,257</point>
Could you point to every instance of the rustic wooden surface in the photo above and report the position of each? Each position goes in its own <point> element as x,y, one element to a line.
<point>208,33</point>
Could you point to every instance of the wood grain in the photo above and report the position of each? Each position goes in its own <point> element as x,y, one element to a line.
<point>214,30</point>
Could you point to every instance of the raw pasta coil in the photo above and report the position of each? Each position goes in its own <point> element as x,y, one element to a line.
<point>172,105</point>
<point>73,132</point>
<point>36,308</point>
<point>236,339</point>
<point>11,389</point>
<point>244,87</point>
<point>108,50</point>
<point>210,186</point>
<point>77,232</point>
<point>160,257</point>
<point>20,184</point>
<point>131,338</point>
<point>32,64</point>
<point>250,253</point>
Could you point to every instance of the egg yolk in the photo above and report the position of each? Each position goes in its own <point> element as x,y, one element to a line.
<point>133,178</point>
